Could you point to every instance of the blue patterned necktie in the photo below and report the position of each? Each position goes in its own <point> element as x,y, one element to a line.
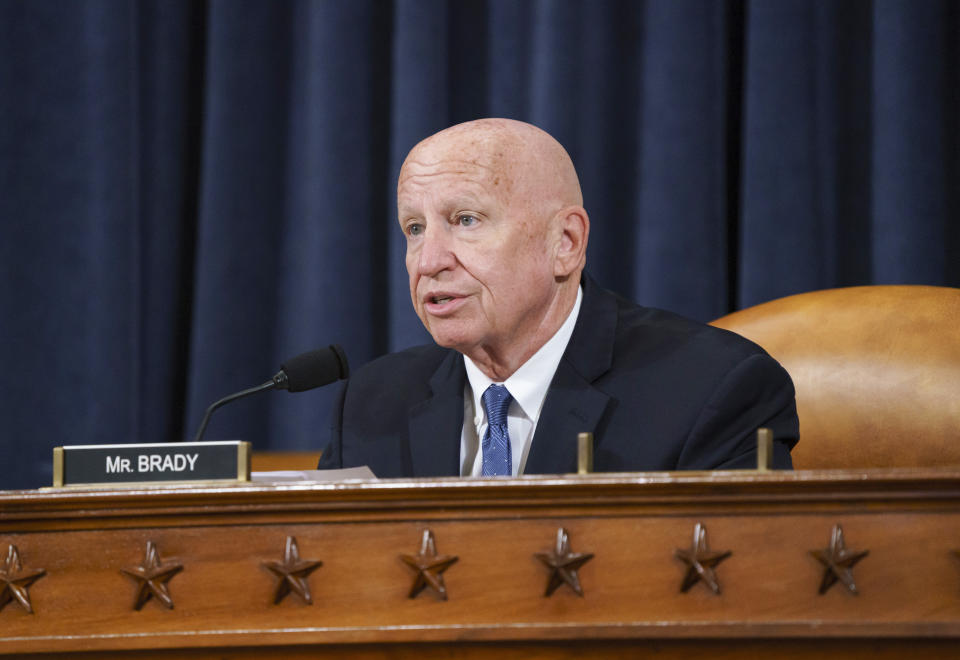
<point>497,457</point>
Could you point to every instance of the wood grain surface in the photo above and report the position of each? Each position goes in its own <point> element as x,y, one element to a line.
<point>633,524</point>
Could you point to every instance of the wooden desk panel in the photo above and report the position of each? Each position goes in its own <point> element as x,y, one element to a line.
<point>909,584</point>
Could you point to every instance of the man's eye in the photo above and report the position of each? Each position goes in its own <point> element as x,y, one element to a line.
<point>414,229</point>
<point>467,220</point>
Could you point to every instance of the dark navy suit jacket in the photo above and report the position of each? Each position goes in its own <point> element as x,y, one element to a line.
<point>659,392</point>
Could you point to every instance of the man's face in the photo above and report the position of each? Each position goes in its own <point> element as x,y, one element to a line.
<point>478,255</point>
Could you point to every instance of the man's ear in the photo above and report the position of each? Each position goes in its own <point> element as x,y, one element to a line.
<point>574,227</point>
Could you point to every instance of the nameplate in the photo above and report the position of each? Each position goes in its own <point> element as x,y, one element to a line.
<point>150,463</point>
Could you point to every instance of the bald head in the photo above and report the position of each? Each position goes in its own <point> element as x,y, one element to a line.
<point>528,165</point>
<point>496,239</point>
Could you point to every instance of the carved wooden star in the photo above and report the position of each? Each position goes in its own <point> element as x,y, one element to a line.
<point>152,577</point>
<point>293,573</point>
<point>563,564</point>
<point>700,561</point>
<point>429,567</point>
<point>838,562</point>
<point>17,581</point>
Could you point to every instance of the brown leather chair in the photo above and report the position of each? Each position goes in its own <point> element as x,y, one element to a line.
<point>876,368</point>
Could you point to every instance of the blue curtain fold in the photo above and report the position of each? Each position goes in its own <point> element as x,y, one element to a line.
<point>191,192</point>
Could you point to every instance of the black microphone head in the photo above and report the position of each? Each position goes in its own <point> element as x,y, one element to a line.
<point>315,368</point>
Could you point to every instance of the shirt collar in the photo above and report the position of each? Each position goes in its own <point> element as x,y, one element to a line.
<point>528,385</point>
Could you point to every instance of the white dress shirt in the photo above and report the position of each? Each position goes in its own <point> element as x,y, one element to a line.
<point>528,386</point>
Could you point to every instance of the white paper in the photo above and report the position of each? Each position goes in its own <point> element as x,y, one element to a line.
<point>323,476</point>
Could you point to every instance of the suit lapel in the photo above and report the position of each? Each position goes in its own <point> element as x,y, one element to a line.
<point>573,405</point>
<point>435,425</point>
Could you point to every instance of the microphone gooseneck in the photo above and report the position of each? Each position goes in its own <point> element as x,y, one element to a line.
<point>269,385</point>
<point>304,372</point>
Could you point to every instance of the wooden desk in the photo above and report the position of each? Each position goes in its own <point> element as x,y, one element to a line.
<point>769,605</point>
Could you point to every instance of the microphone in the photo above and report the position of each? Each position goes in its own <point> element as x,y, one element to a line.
<point>304,372</point>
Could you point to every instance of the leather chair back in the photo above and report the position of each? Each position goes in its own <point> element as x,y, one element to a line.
<point>876,368</point>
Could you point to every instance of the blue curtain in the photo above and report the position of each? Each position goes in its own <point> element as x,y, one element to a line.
<point>191,192</point>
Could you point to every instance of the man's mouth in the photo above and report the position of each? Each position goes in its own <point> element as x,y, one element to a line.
<point>442,303</point>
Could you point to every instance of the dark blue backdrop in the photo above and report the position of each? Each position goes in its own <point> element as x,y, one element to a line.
<point>192,191</point>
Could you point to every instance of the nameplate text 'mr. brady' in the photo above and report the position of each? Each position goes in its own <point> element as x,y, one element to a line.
<point>143,463</point>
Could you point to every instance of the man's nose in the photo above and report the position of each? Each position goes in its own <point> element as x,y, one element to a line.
<point>436,251</point>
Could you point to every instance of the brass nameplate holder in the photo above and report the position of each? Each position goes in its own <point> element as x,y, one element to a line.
<point>584,453</point>
<point>85,465</point>
<point>764,449</point>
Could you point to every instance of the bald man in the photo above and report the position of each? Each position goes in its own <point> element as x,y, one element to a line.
<point>529,350</point>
